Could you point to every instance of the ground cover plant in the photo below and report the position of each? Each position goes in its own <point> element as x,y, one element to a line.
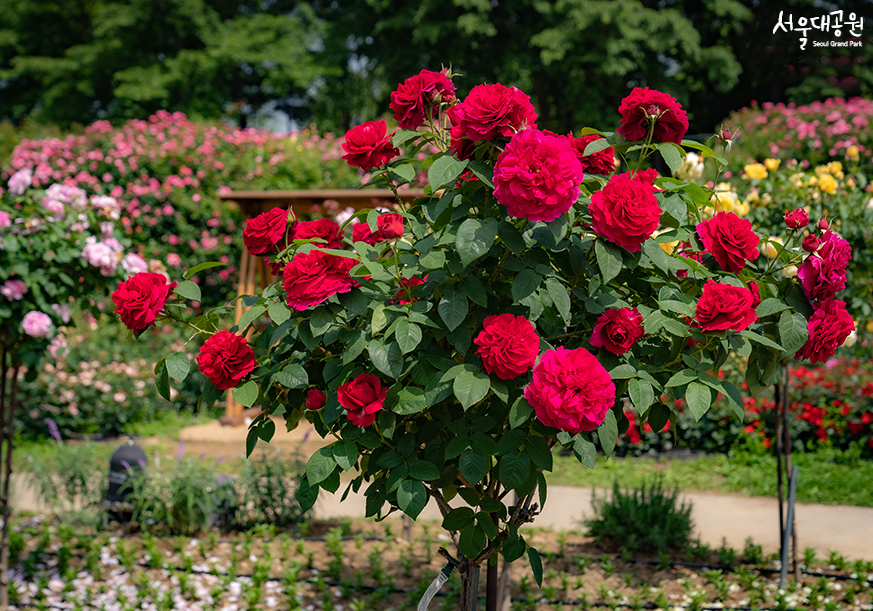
<point>525,246</point>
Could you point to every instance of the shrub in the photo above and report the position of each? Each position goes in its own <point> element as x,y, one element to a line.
<point>647,519</point>
<point>266,490</point>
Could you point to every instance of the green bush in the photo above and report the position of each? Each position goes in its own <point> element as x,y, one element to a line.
<point>647,519</point>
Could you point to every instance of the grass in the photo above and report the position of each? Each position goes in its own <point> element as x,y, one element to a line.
<point>825,477</point>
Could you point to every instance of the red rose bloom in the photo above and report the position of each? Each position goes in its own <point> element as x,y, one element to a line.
<point>571,390</point>
<point>730,240</point>
<point>361,233</point>
<point>537,176</point>
<point>671,122</point>
<point>225,358</point>
<point>417,97</point>
<point>617,330</point>
<point>601,162</point>
<point>829,326</point>
<point>315,399</point>
<point>509,345</point>
<point>390,226</point>
<point>368,145</point>
<point>492,110</point>
<point>313,277</point>
<point>722,307</point>
<point>626,211</point>
<point>265,231</point>
<point>139,299</point>
<point>324,228</point>
<point>823,273</point>
<point>461,147</point>
<point>756,295</point>
<point>363,398</point>
<point>796,219</point>
<point>811,243</point>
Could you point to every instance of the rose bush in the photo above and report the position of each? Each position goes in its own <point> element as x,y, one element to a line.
<point>385,326</point>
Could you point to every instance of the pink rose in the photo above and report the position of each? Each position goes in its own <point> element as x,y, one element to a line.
<point>37,324</point>
<point>134,264</point>
<point>537,176</point>
<point>13,290</point>
<point>5,219</point>
<point>20,181</point>
<point>571,390</point>
<point>174,260</point>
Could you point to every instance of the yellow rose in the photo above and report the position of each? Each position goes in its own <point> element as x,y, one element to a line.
<point>850,183</point>
<point>769,249</point>
<point>852,153</point>
<point>755,171</point>
<point>790,271</point>
<point>772,164</point>
<point>827,183</point>
<point>797,179</point>
<point>835,167</point>
<point>724,199</point>
<point>742,208</point>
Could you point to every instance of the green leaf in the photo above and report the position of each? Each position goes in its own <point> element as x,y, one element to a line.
<point>539,452</point>
<point>472,540</point>
<point>453,309</point>
<point>474,239</point>
<point>623,372</point>
<point>475,290</point>
<point>595,146</point>
<point>608,259</point>
<point>435,259</point>
<point>444,170</point>
<point>513,548</point>
<point>387,359</point>
<point>483,172</point>
<point>734,398</point>
<point>320,465</point>
<point>250,315</point>
<point>345,453</point>
<point>525,284</point>
<point>200,267</point>
<point>519,413</point>
<point>672,154</point>
<point>410,400</point>
<point>266,430</point>
<point>188,290</point>
<point>178,366</point>
<point>658,416</point>
<point>458,518</point>
<point>292,376</point>
<point>608,433</point>
<point>279,312</point>
<point>411,497</point>
<point>770,306</point>
<point>641,393</point>
<point>423,470</point>
<point>162,379</point>
<point>407,334</point>
<point>456,446</point>
<point>405,171</point>
<point>306,495</point>
<point>246,394</point>
<point>699,398</point>
<point>536,565</point>
<point>514,467</point>
<point>473,466</point>
<point>379,320</point>
<point>585,451</point>
<point>402,136</point>
<point>760,339</point>
<point>470,388</point>
<point>657,255</point>
<point>793,331</point>
<point>680,378</point>
<point>560,297</point>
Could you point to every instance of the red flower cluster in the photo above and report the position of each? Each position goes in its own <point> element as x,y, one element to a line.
<point>139,299</point>
<point>310,278</point>
<point>644,105</point>
<point>362,398</point>
<point>626,211</point>
<point>418,97</point>
<point>226,358</point>
<point>368,145</point>
<point>829,326</point>
<point>823,273</point>
<point>730,240</point>
<point>509,345</point>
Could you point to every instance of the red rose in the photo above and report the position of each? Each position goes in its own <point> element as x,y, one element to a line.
<point>461,147</point>
<point>601,162</point>
<point>722,307</point>
<point>811,243</point>
<point>823,273</point>
<point>730,240</point>
<point>368,145</point>
<point>617,330</point>
<point>492,110</point>
<point>139,299</point>
<point>509,345</point>
<point>829,326</point>
<point>416,98</point>
<point>626,211</point>
<point>637,109</point>
<point>796,219</point>
<point>362,397</point>
<point>225,358</point>
<point>324,228</point>
<point>361,233</point>
<point>570,390</point>
<point>315,399</point>
<point>265,231</point>
<point>312,277</point>
<point>756,295</point>
<point>537,176</point>
<point>390,226</point>
<point>407,286</point>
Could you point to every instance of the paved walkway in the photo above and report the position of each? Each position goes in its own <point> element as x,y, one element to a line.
<point>848,530</point>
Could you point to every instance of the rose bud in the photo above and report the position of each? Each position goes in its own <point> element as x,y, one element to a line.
<point>390,225</point>
<point>823,224</point>
<point>811,243</point>
<point>796,219</point>
<point>726,134</point>
<point>315,399</point>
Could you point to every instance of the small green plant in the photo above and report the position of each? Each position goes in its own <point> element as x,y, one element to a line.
<point>753,552</point>
<point>646,519</point>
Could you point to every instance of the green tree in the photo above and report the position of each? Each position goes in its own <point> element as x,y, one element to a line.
<point>66,61</point>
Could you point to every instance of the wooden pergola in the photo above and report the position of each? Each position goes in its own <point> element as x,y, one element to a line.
<point>253,272</point>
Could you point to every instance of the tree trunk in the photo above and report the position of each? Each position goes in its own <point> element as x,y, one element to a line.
<point>469,575</point>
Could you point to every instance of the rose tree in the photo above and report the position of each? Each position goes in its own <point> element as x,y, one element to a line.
<point>448,347</point>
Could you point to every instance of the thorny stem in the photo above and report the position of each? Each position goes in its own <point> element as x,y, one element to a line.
<point>645,150</point>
